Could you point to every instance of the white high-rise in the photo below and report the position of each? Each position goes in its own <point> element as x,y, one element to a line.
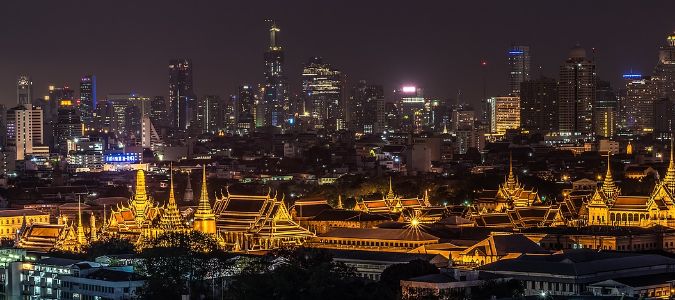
<point>25,133</point>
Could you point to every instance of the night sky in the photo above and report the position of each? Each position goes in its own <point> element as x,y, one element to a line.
<point>435,44</point>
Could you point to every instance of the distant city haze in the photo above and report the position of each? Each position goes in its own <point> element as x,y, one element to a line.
<point>437,45</point>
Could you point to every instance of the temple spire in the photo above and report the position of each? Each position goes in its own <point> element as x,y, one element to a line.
<point>139,202</point>
<point>81,239</point>
<point>608,186</point>
<point>205,220</point>
<point>669,179</point>
<point>170,219</point>
<point>92,227</point>
<point>511,179</point>
<point>339,203</point>
<point>390,194</point>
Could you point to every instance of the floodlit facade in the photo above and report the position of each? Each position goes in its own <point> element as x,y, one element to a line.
<point>504,114</point>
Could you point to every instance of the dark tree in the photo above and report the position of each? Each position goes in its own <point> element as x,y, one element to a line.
<point>392,275</point>
<point>299,274</point>
<point>179,263</point>
<point>109,246</point>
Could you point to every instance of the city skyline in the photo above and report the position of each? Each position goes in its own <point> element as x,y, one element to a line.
<point>227,52</point>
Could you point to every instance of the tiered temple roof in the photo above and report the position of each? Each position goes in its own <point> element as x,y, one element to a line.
<point>256,222</point>
<point>171,217</point>
<point>392,203</point>
<point>509,195</point>
<point>42,237</point>
<point>138,215</point>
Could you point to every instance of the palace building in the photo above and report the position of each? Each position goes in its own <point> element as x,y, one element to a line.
<point>253,223</point>
<point>609,207</point>
<point>392,203</point>
<point>509,195</point>
<point>45,237</point>
<point>514,206</point>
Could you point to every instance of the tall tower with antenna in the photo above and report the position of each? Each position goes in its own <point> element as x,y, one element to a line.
<point>275,95</point>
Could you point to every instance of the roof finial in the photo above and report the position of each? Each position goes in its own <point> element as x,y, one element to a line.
<point>669,179</point>
<point>511,179</point>
<point>608,186</point>
<point>390,194</point>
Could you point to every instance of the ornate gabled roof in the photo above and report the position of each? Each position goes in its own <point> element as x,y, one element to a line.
<point>204,211</point>
<point>171,218</point>
<point>46,237</point>
<point>265,216</point>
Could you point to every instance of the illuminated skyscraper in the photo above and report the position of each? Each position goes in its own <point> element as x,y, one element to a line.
<point>367,108</point>
<point>275,89</point>
<point>504,114</point>
<point>576,93</point>
<point>539,105</point>
<point>87,102</point>
<point>68,125</point>
<point>24,90</point>
<point>181,93</point>
<point>664,72</point>
<point>245,107</point>
<point>25,131</point>
<point>208,115</point>
<point>519,67</point>
<point>605,110</point>
<point>638,106</point>
<point>322,87</point>
<point>412,109</point>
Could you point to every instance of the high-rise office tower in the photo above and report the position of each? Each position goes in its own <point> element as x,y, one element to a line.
<point>275,89</point>
<point>158,112</point>
<point>245,107</point>
<point>539,105</point>
<point>367,108</point>
<point>663,118</point>
<point>605,110</point>
<point>504,114</point>
<point>25,130</point>
<point>57,97</point>
<point>87,99</point>
<point>149,137</point>
<point>576,93</point>
<point>181,93</point>
<point>322,87</point>
<point>68,125</point>
<point>208,114</point>
<point>412,108</point>
<point>463,118</point>
<point>519,67</point>
<point>664,72</point>
<point>641,92</point>
<point>24,90</point>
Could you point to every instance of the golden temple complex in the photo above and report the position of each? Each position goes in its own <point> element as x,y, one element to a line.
<point>609,207</point>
